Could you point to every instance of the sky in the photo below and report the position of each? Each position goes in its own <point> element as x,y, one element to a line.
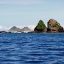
<point>29,12</point>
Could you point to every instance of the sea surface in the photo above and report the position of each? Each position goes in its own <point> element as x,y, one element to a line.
<point>32,48</point>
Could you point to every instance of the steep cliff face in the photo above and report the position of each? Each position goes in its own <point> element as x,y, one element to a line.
<point>54,26</point>
<point>40,27</point>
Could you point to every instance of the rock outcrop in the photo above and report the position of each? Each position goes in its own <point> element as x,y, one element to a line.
<point>40,27</point>
<point>54,26</point>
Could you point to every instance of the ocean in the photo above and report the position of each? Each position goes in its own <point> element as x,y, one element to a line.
<point>32,48</point>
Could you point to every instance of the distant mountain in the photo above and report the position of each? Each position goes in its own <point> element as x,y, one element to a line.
<point>25,29</point>
<point>16,29</point>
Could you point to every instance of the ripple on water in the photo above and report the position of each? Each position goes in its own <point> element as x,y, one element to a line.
<point>31,48</point>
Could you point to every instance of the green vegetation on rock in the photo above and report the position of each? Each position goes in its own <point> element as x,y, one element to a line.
<point>56,25</point>
<point>40,27</point>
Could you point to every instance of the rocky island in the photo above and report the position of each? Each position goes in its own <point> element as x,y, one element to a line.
<point>52,26</point>
<point>41,27</point>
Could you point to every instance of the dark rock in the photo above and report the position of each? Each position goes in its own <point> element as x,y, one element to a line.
<point>3,32</point>
<point>61,29</point>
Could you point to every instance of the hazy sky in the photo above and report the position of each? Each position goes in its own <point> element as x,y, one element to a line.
<point>29,12</point>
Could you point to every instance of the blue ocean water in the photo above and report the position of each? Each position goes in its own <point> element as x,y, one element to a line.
<point>32,48</point>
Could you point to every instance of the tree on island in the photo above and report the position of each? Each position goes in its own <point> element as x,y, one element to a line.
<point>40,27</point>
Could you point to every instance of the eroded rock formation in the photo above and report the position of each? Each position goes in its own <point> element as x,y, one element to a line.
<point>54,26</point>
